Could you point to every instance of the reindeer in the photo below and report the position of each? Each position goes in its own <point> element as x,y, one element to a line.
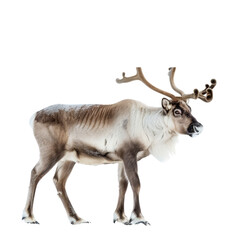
<point>121,133</point>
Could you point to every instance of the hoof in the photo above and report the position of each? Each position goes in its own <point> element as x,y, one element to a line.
<point>121,219</point>
<point>73,221</point>
<point>30,220</point>
<point>137,220</point>
<point>146,223</point>
<point>36,222</point>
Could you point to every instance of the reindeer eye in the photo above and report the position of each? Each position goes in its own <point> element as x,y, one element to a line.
<point>177,112</point>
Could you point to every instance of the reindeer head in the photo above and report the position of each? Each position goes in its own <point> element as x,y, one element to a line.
<point>177,109</point>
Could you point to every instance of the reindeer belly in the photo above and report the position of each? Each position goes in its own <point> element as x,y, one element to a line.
<point>94,147</point>
<point>90,157</point>
<point>91,151</point>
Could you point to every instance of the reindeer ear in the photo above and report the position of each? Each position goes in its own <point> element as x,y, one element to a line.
<point>166,104</point>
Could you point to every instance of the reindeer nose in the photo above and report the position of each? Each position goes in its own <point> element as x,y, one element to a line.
<point>194,129</point>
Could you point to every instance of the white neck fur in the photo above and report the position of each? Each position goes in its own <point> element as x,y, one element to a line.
<point>159,129</point>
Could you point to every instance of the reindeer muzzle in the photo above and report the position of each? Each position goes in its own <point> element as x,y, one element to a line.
<point>194,129</point>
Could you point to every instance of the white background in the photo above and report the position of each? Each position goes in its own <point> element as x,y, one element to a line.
<point>71,52</point>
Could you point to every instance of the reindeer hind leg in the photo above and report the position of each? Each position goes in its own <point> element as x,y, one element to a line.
<point>60,178</point>
<point>41,168</point>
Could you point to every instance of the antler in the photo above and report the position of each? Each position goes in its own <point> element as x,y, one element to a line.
<point>171,78</point>
<point>139,76</point>
<point>205,95</point>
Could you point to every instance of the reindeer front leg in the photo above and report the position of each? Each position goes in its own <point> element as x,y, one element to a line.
<point>129,156</point>
<point>119,214</point>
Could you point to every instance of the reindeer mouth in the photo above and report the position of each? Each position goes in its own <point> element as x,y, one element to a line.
<point>194,129</point>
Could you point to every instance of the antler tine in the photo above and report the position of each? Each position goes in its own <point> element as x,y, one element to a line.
<point>184,96</point>
<point>171,78</point>
<point>128,79</point>
<point>213,83</point>
<point>205,95</point>
<point>140,76</point>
